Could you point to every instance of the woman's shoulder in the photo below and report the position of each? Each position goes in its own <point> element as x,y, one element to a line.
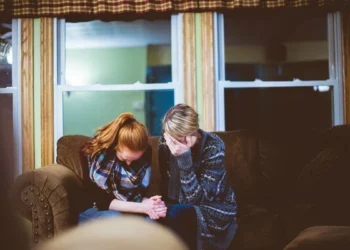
<point>104,155</point>
<point>212,143</point>
<point>212,139</point>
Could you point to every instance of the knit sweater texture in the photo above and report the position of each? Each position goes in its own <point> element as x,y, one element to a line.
<point>198,177</point>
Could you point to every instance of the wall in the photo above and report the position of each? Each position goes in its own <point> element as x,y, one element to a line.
<point>296,52</point>
<point>158,55</point>
<point>115,66</point>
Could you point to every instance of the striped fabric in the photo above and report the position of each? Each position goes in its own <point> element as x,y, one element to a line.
<point>127,183</point>
<point>58,8</point>
<point>93,8</point>
<point>231,4</point>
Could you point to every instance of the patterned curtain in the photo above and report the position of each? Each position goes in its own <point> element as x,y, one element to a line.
<point>116,8</point>
<point>233,4</point>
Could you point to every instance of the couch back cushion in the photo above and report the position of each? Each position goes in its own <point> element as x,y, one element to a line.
<point>240,162</point>
<point>324,181</point>
<point>240,159</point>
<point>154,188</point>
<point>282,155</point>
<point>68,152</point>
<point>241,154</point>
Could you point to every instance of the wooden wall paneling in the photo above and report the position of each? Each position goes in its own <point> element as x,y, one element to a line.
<point>27,94</point>
<point>189,55</point>
<point>208,84</point>
<point>47,91</point>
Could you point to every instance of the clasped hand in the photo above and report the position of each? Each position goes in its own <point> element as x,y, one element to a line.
<point>176,147</point>
<point>155,207</point>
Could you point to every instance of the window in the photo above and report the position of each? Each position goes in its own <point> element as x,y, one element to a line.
<point>278,70</point>
<point>10,91</point>
<point>106,68</point>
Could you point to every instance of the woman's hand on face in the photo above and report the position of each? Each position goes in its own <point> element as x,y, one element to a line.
<point>178,148</point>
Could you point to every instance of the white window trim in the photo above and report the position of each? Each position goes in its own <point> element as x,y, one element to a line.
<point>17,100</point>
<point>335,71</point>
<point>61,87</point>
<point>16,95</point>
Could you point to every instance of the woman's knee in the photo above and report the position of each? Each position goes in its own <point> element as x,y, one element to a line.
<point>109,213</point>
<point>181,211</point>
<point>93,214</point>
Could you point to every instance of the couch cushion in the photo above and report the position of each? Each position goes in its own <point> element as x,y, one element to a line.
<point>257,229</point>
<point>282,155</point>
<point>324,182</point>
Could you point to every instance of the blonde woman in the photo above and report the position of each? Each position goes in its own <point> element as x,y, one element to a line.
<point>116,171</point>
<point>201,206</point>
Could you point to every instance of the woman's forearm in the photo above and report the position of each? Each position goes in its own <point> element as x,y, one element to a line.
<point>127,206</point>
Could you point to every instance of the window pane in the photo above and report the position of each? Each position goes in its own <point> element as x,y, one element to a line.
<point>6,120</point>
<point>117,52</point>
<point>271,109</point>
<point>276,47</point>
<point>84,112</point>
<point>5,55</point>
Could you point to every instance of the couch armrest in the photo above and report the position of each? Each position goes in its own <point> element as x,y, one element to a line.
<point>50,197</point>
<point>322,237</point>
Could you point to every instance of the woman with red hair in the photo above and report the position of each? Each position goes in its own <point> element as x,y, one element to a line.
<point>117,172</point>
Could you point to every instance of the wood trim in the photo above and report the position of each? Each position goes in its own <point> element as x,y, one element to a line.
<point>207,38</point>
<point>27,94</point>
<point>47,91</point>
<point>189,57</point>
<point>346,65</point>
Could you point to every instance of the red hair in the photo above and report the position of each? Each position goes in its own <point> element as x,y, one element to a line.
<point>124,131</point>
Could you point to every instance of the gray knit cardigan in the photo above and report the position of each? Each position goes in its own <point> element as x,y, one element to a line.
<point>199,178</point>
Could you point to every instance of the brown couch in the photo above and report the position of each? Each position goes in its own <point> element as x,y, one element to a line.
<point>284,181</point>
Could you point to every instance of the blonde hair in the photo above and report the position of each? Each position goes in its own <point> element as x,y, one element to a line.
<point>124,131</point>
<point>181,120</point>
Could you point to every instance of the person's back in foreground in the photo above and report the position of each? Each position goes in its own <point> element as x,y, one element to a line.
<point>119,233</point>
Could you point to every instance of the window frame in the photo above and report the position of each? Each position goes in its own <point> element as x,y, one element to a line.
<point>59,73</point>
<point>15,91</point>
<point>335,71</point>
